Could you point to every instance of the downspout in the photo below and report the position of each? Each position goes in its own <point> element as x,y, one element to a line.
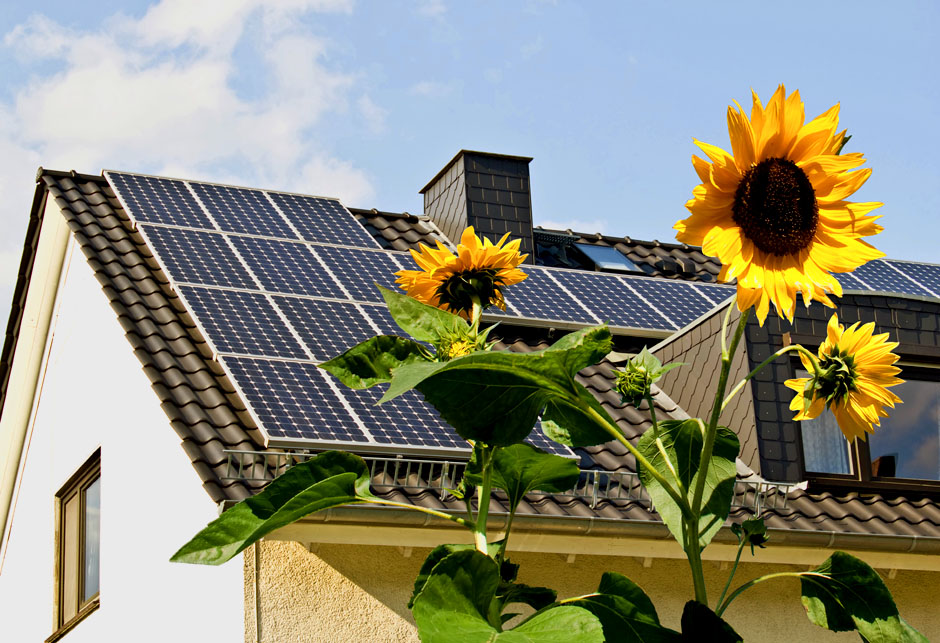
<point>257,548</point>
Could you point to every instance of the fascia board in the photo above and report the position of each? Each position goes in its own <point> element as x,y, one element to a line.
<point>29,355</point>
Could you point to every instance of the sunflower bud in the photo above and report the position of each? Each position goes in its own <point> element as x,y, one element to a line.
<point>460,342</point>
<point>641,372</point>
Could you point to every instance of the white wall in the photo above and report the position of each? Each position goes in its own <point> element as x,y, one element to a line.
<point>93,393</point>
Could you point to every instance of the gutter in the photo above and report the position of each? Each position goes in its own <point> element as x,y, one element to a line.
<point>574,535</point>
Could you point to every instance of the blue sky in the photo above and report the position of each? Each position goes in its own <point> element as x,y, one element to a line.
<point>367,100</point>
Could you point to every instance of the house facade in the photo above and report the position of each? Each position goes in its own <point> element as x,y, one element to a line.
<point>132,343</point>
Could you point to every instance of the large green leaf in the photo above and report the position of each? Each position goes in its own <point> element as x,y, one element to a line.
<point>571,425</point>
<point>682,440</point>
<point>371,362</point>
<point>845,594</point>
<point>626,612</point>
<point>699,623</point>
<point>496,397</point>
<point>423,322</point>
<point>521,468</point>
<point>330,479</point>
<point>438,554</point>
<point>454,606</point>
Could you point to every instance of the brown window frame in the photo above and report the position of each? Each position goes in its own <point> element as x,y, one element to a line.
<point>862,479</point>
<point>76,485</point>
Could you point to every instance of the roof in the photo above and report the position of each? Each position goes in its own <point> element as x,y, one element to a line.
<point>211,420</point>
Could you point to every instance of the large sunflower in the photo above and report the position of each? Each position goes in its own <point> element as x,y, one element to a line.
<point>856,368</point>
<point>775,213</point>
<point>479,270</point>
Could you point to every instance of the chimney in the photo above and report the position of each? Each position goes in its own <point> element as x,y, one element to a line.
<point>489,192</point>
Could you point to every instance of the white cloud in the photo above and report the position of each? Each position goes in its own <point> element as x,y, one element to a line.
<point>158,94</point>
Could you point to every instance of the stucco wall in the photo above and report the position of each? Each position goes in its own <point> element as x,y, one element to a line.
<point>359,593</point>
<point>94,393</point>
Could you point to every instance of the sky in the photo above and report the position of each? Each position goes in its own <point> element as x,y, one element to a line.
<point>366,100</point>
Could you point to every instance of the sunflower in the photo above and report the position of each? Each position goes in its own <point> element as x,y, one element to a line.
<point>479,270</point>
<point>774,212</point>
<point>856,368</point>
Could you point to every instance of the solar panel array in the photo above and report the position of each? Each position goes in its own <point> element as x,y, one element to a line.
<point>279,282</point>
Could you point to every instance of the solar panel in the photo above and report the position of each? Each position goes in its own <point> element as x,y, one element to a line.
<point>611,300</point>
<point>681,302</point>
<point>850,282</point>
<point>327,328</point>
<point>360,270</point>
<point>287,267</point>
<point>156,200</point>
<point>323,220</point>
<point>927,275</point>
<point>241,322</point>
<point>241,210</point>
<point>717,294</point>
<point>882,277</point>
<point>192,256</point>
<point>293,400</point>
<point>539,297</point>
<point>406,420</point>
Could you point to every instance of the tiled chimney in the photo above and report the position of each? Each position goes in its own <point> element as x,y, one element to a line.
<point>489,192</point>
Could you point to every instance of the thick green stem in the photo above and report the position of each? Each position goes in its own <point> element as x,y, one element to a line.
<point>766,362</point>
<point>641,460</point>
<point>483,499</point>
<point>694,553</point>
<point>659,443</point>
<point>440,514</point>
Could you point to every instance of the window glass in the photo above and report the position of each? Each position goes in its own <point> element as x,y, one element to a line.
<point>907,445</point>
<point>825,449</point>
<point>92,538</point>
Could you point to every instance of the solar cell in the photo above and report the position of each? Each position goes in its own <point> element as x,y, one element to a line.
<point>360,270</point>
<point>406,420</point>
<point>155,200</point>
<point>681,302</point>
<point>883,277</point>
<point>192,256</point>
<point>611,300</point>
<point>850,282</point>
<point>539,297</point>
<point>323,220</point>
<point>241,210</point>
<point>717,294</point>
<point>287,267</point>
<point>327,328</point>
<point>928,275</point>
<point>293,400</point>
<point>242,323</point>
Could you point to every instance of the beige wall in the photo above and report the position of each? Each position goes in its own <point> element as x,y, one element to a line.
<point>359,593</point>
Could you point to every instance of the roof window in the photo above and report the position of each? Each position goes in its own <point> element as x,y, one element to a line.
<point>607,258</point>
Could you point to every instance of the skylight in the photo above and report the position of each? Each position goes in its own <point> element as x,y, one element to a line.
<point>607,258</point>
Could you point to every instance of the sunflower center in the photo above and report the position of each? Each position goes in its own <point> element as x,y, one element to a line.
<point>776,207</point>
<point>459,290</point>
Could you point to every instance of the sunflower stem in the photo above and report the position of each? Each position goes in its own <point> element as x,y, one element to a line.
<point>659,443</point>
<point>766,362</point>
<point>483,499</point>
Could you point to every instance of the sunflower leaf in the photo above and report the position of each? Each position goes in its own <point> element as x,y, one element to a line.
<point>699,623</point>
<point>845,594</point>
<point>371,362</point>
<point>496,397</point>
<point>521,468</point>
<point>682,442</point>
<point>328,480</point>
<point>626,612</point>
<point>423,322</point>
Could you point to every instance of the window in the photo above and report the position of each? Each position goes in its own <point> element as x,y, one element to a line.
<point>607,258</point>
<point>902,454</point>
<point>78,515</point>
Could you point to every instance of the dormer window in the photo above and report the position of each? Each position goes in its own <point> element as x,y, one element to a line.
<point>607,258</point>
